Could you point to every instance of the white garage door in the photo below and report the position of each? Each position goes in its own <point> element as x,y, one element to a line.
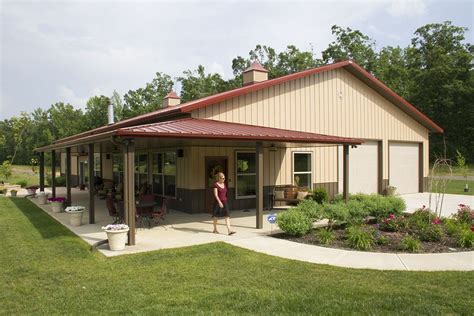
<point>404,163</point>
<point>363,167</point>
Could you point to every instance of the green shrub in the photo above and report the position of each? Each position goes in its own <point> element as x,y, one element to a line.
<point>464,214</point>
<point>382,240</point>
<point>408,243</point>
<point>320,195</point>
<point>397,204</point>
<point>465,238</point>
<point>357,212</point>
<point>294,222</point>
<point>336,212</point>
<point>22,183</point>
<point>360,237</point>
<point>325,236</point>
<point>311,209</point>
<point>393,223</point>
<point>451,226</point>
<point>61,181</point>
<point>420,218</point>
<point>429,232</point>
<point>338,198</point>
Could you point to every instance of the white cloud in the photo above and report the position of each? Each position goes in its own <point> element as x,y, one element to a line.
<point>67,95</point>
<point>407,8</point>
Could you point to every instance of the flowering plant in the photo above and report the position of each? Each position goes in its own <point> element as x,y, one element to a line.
<point>465,214</point>
<point>393,223</point>
<point>115,227</point>
<point>57,199</point>
<point>74,209</point>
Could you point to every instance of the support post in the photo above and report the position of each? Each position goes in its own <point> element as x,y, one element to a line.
<point>68,176</point>
<point>91,185</point>
<point>345,181</point>
<point>259,185</point>
<point>53,173</point>
<point>129,188</point>
<point>41,171</point>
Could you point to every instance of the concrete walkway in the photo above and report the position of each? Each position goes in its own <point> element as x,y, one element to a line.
<point>182,229</point>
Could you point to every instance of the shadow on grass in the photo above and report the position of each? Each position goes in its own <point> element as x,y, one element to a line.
<point>44,224</point>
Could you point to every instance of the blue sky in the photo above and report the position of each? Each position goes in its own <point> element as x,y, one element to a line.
<point>62,51</point>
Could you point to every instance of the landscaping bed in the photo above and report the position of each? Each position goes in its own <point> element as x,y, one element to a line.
<point>379,224</point>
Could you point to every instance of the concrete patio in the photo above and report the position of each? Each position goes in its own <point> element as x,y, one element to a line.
<point>181,229</point>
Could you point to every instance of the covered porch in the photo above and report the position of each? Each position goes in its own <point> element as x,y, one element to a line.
<point>194,135</point>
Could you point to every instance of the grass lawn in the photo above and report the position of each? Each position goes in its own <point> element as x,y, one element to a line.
<point>457,187</point>
<point>24,173</point>
<point>48,270</point>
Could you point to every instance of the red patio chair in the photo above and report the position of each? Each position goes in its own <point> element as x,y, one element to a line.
<point>112,210</point>
<point>156,216</point>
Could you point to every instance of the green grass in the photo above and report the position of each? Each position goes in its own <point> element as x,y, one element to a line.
<point>45,269</point>
<point>457,187</point>
<point>444,170</point>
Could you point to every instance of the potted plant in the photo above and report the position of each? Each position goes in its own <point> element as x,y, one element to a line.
<point>390,190</point>
<point>13,193</point>
<point>117,235</point>
<point>42,198</point>
<point>75,214</point>
<point>32,189</point>
<point>57,204</point>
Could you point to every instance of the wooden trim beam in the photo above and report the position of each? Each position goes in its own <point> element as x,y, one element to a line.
<point>345,176</point>
<point>91,184</point>
<point>421,187</point>
<point>53,173</point>
<point>259,185</point>
<point>68,176</point>
<point>41,171</point>
<point>380,167</point>
<point>129,187</point>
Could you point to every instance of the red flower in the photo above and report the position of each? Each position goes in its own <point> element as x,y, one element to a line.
<point>392,216</point>
<point>472,228</point>
<point>436,221</point>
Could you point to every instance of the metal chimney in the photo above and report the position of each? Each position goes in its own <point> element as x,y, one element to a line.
<point>110,112</point>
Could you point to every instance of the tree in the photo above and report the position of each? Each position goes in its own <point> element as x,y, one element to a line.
<point>391,68</point>
<point>65,120</point>
<point>196,84</point>
<point>350,44</point>
<point>440,65</point>
<point>148,99</point>
<point>118,105</point>
<point>20,126</point>
<point>96,112</point>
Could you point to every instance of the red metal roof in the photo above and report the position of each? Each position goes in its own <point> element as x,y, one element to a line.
<point>256,66</point>
<point>211,129</point>
<point>213,99</point>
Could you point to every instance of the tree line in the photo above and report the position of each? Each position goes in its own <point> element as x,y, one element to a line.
<point>434,73</point>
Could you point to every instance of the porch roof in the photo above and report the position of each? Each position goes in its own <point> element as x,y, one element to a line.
<point>193,128</point>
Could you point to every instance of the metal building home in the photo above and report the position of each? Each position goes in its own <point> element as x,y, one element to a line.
<point>334,126</point>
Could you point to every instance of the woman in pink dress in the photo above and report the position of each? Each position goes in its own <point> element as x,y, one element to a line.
<point>221,208</point>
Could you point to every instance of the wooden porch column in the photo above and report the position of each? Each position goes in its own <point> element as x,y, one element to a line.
<point>259,184</point>
<point>91,185</point>
<point>53,173</point>
<point>68,176</point>
<point>345,181</point>
<point>41,171</point>
<point>129,188</point>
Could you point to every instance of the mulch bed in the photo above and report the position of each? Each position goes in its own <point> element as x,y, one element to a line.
<point>447,244</point>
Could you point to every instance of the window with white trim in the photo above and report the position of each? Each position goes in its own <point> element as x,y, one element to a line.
<point>117,168</point>
<point>302,172</point>
<point>164,173</point>
<point>245,171</point>
<point>141,171</point>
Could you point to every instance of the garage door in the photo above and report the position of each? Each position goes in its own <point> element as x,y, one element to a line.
<point>404,164</point>
<point>363,165</point>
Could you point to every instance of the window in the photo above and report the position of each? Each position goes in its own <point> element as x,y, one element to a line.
<point>245,174</point>
<point>97,168</point>
<point>164,173</point>
<point>302,174</point>
<point>117,168</point>
<point>141,170</point>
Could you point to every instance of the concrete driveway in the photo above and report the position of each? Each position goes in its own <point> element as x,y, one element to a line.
<point>448,207</point>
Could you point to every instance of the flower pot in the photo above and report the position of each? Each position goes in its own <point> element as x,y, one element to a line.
<point>56,207</point>
<point>13,193</point>
<point>117,239</point>
<point>42,198</point>
<point>75,219</point>
<point>390,191</point>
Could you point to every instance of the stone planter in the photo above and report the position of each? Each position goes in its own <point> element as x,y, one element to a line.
<point>56,207</point>
<point>13,193</point>
<point>390,190</point>
<point>75,218</point>
<point>117,239</point>
<point>42,198</point>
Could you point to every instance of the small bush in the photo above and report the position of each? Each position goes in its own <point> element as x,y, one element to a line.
<point>420,218</point>
<point>22,183</point>
<point>429,232</point>
<point>464,214</point>
<point>382,240</point>
<point>465,238</point>
<point>311,209</point>
<point>397,204</point>
<point>357,212</point>
<point>61,181</point>
<point>294,222</point>
<point>325,236</point>
<point>359,237</point>
<point>393,223</point>
<point>408,243</point>
<point>451,226</point>
<point>336,212</point>
<point>319,195</point>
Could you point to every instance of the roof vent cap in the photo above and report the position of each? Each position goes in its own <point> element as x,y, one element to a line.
<point>255,73</point>
<point>171,99</point>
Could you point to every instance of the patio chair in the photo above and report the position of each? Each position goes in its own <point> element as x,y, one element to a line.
<point>113,210</point>
<point>156,216</point>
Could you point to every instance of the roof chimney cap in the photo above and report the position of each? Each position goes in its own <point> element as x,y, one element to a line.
<point>256,66</point>
<point>254,74</point>
<point>171,99</point>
